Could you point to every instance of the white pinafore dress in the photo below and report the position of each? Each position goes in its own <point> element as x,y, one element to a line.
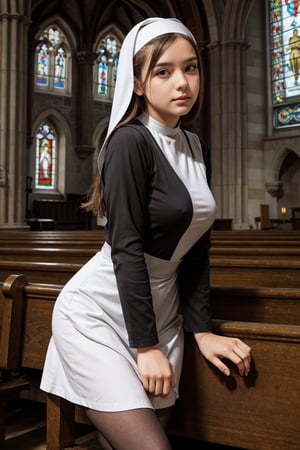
<point>89,361</point>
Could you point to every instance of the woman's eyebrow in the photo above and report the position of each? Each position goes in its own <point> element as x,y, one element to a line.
<point>167,63</point>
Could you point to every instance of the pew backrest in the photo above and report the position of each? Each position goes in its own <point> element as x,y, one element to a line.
<point>26,322</point>
<point>210,405</point>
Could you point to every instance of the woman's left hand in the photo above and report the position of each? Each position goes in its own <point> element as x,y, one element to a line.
<point>214,348</point>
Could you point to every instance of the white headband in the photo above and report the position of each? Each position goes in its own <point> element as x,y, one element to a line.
<point>139,35</point>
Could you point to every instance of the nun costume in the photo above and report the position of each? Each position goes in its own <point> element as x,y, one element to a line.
<point>150,280</point>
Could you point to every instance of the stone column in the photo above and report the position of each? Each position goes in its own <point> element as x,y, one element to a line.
<point>229,129</point>
<point>13,89</point>
<point>86,61</point>
<point>227,23</point>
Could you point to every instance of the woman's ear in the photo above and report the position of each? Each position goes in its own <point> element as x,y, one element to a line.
<point>137,87</point>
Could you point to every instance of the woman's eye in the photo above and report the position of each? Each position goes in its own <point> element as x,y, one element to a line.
<point>191,68</point>
<point>162,73</point>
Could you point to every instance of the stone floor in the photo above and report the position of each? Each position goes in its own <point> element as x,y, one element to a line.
<point>26,430</point>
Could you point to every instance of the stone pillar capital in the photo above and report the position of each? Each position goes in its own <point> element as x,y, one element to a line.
<point>274,188</point>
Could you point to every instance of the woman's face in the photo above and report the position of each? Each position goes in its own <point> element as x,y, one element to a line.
<point>173,84</point>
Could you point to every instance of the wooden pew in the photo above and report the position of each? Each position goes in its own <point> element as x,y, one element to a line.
<point>10,349</point>
<point>69,252</point>
<point>254,272</point>
<point>247,266</point>
<point>24,344</point>
<point>256,304</point>
<point>230,241</point>
<point>257,234</point>
<point>260,412</point>
<point>39,272</point>
<point>239,238</point>
<point>70,235</point>
<point>270,253</point>
<point>41,254</point>
<point>67,214</point>
<point>53,243</point>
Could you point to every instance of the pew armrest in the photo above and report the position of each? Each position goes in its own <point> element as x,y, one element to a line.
<point>12,321</point>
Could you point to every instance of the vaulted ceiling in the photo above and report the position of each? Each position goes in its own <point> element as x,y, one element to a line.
<point>88,18</point>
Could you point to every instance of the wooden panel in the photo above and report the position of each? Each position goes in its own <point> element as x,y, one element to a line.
<point>243,272</point>
<point>40,272</point>
<point>37,332</point>
<point>254,304</point>
<point>260,412</point>
<point>12,322</point>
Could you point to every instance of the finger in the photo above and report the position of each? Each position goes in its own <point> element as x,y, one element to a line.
<point>221,366</point>
<point>173,381</point>
<point>238,361</point>
<point>243,352</point>
<point>158,387</point>
<point>151,386</point>
<point>246,363</point>
<point>244,347</point>
<point>166,387</point>
<point>243,363</point>
<point>145,383</point>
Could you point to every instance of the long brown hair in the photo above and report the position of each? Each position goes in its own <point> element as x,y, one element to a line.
<point>150,52</point>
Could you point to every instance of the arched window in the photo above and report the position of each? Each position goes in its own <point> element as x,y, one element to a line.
<point>285,53</point>
<point>53,62</point>
<point>45,157</point>
<point>108,50</point>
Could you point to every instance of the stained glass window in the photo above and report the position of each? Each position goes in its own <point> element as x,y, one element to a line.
<point>45,157</point>
<point>52,61</point>
<point>285,40</point>
<point>42,66</point>
<point>107,65</point>
<point>60,69</point>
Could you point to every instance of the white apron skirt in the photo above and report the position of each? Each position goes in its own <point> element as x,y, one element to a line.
<point>89,361</point>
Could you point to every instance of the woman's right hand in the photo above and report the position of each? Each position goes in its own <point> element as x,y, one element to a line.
<point>156,371</point>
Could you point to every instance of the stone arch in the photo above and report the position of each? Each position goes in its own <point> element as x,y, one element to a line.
<point>63,25</point>
<point>283,178</point>
<point>227,21</point>
<point>289,178</point>
<point>274,166</point>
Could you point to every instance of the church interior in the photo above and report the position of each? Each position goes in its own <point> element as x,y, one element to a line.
<point>58,65</point>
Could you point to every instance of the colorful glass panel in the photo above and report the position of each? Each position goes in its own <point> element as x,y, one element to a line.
<point>285,40</point>
<point>287,115</point>
<point>107,65</point>
<point>60,69</point>
<point>54,35</point>
<point>45,157</point>
<point>51,72</point>
<point>42,66</point>
<point>102,75</point>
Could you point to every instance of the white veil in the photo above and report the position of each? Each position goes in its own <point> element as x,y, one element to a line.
<point>139,35</point>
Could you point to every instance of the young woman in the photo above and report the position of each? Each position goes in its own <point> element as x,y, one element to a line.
<point>117,342</point>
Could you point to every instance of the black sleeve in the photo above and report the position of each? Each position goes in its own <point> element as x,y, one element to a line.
<point>194,287</point>
<point>126,172</point>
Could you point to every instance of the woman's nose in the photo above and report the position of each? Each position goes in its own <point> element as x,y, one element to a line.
<point>181,79</point>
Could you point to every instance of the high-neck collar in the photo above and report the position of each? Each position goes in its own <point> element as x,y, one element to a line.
<point>157,126</point>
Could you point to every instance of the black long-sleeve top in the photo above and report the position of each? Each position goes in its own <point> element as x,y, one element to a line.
<point>148,209</point>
